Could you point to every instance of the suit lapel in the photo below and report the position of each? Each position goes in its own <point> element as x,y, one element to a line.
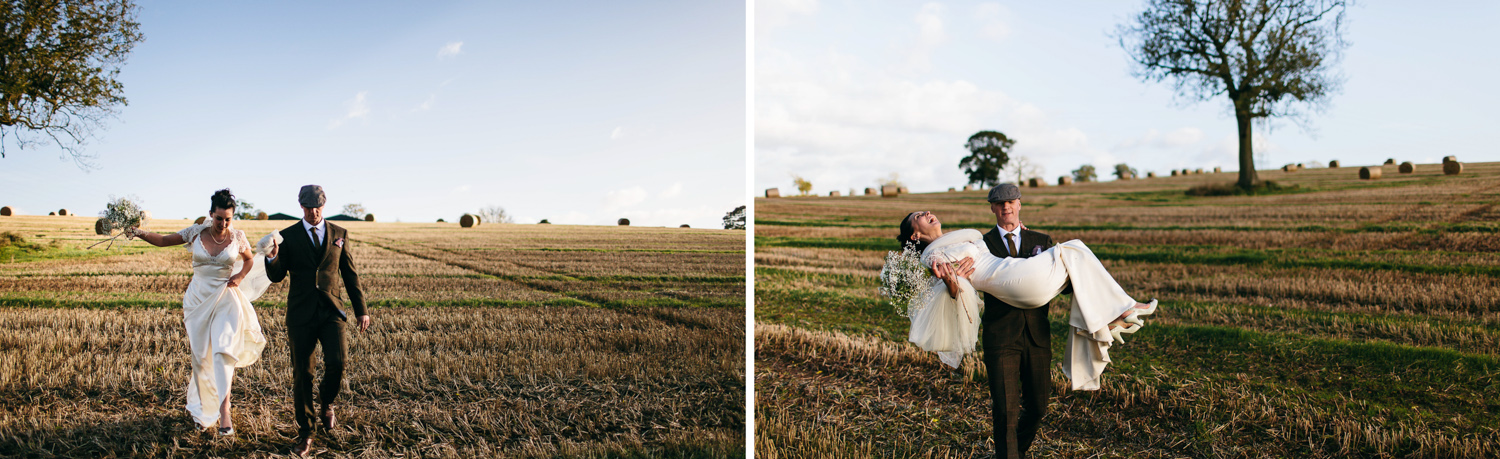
<point>992,240</point>
<point>327,242</point>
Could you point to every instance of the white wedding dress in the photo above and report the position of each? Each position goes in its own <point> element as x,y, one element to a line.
<point>950,326</point>
<point>223,330</point>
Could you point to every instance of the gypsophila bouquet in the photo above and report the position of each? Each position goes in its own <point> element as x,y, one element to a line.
<point>904,280</point>
<point>120,214</point>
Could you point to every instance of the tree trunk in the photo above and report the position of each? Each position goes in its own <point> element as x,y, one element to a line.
<point>1248,179</point>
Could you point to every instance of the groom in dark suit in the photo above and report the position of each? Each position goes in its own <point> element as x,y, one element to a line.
<point>1017,342</point>
<point>316,255</point>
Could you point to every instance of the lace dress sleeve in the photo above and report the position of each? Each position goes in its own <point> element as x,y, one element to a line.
<point>244,244</point>
<point>190,235</point>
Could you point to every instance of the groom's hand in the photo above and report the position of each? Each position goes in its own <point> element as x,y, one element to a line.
<point>364,323</point>
<point>274,249</point>
<point>964,268</point>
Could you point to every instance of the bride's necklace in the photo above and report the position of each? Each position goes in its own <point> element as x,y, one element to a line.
<point>216,238</point>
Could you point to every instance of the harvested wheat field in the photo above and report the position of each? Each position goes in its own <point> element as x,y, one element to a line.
<point>1339,318</point>
<point>493,341</point>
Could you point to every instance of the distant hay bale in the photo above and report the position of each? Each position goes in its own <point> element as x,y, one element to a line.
<point>1036,182</point>
<point>623,222</point>
<point>1390,161</point>
<point>1185,172</point>
<point>869,191</point>
<point>1174,172</point>
<point>544,222</point>
<point>199,221</point>
<point>1453,168</point>
<point>1150,175</point>
<point>684,225</point>
<point>1198,171</point>
<point>903,190</point>
<point>1289,168</point>
<point>1333,164</point>
<point>773,193</point>
<point>834,194</point>
<point>369,217</point>
<point>952,189</point>
<point>99,227</point>
<point>442,221</point>
<point>50,214</point>
<point>1064,181</point>
<point>1450,159</point>
<point>968,187</point>
<point>1369,173</point>
<point>468,221</point>
<point>7,211</point>
<point>889,191</point>
<point>63,212</point>
<point>1218,170</point>
<point>1407,168</point>
<point>146,215</point>
<point>262,216</point>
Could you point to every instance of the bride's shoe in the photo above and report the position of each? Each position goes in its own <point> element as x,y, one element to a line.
<point>1145,312</point>
<point>226,431</point>
<point>1116,332</point>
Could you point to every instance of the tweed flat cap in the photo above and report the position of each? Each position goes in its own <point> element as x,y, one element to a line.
<point>312,196</point>
<point>1005,192</point>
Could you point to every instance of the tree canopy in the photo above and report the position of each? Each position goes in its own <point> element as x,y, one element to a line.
<point>1268,57</point>
<point>735,219</point>
<point>58,67</point>
<point>1085,173</point>
<point>989,152</point>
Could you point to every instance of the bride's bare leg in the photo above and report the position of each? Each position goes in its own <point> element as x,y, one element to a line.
<point>224,413</point>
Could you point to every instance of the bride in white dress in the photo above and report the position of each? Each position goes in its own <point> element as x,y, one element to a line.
<point>223,330</point>
<point>946,319</point>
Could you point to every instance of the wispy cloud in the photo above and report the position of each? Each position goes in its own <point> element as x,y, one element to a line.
<point>450,50</point>
<point>995,20</point>
<point>617,133</point>
<point>426,104</point>
<point>357,108</point>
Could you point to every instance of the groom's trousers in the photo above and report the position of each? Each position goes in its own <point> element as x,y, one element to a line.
<point>1020,386</point>
<point>305,340</point>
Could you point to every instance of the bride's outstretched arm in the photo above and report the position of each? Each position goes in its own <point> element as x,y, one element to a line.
<point>159,240</point>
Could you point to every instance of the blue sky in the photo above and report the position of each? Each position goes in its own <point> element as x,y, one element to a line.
<point>848,92</point>
<point>570,111</point>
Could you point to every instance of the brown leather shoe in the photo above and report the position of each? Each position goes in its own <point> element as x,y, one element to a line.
<point>302,446</point>
<point>329,420</point>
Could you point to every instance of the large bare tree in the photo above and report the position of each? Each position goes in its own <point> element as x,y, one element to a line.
<point>59,60</point>
<point>1271,58</point>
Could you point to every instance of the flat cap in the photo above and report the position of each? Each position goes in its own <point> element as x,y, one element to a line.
<point>1005,192</point>
<point>312,196</point>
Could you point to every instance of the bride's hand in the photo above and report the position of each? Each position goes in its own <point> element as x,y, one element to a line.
<point>964,268</point>
<point>234,281</point>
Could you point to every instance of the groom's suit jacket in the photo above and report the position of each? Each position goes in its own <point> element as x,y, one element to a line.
<point>1006,320</point>
<point>316,275</point>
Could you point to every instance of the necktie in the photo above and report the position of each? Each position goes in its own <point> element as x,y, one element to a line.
<point>1010,239</point>
<point>317,243</point>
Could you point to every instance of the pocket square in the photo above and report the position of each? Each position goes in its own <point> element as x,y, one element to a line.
<point>1036,250</point>
<point>339,242</point>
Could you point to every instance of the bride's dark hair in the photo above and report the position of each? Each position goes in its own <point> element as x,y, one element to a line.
<point>906,231</point>
<point>222,199</point>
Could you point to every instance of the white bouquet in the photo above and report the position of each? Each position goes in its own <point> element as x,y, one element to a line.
<point>904,280</point>
<point>121,214</point>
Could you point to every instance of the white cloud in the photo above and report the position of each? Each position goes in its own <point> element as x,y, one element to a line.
<point>426,104</point>
<point>770,14</point>
<point>617,133</point>
<point>994,21</point>
<point>358,108</point>
<point>450,50</point>
<point>673,191</point>
<point>624,198</point>
<point>930,34</point>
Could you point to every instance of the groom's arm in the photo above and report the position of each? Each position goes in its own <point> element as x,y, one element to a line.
<point>275,271</point>
<point>351,284</point>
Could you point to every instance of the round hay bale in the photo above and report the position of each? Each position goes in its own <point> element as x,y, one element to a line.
<point>1289,168</point>
<point>369,217</point>
<point>262,216</point>
<point>99,227</point>
<point>1369,173</point>
<point>1333,164</point>
<point>1064,181</point>
<point>468,220</point>
<point>1390,161</point>
<point>1407,168</point>
<point>1150,175</point>
<point>889,191</point>
<point>773,193</point>
<point>968,187</point>
<point>1218,170</point>
<point>834,194</point>
<point>442,221</point>
<point>623,222</point>
<point>1449,159</point>
<point>200,220</point>
<point>1453,168</point>
<point>544,222</point>
<point>1036,182</point>
<point>903,190</point>
<point>869,191</point>
<point>7,211</point>
<point>952,189</point>
<point>684,225</point>
<point>51,214</point>
<point>1198,171</point>
<point>146,214</point>
<point>63,212</point>
<point>1174,172</point>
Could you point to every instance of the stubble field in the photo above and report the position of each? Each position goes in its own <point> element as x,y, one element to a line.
<point>1343,318</point>
<point>499,340</point>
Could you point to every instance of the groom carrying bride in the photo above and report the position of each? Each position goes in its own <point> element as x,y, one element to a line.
<point>313,251</point>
